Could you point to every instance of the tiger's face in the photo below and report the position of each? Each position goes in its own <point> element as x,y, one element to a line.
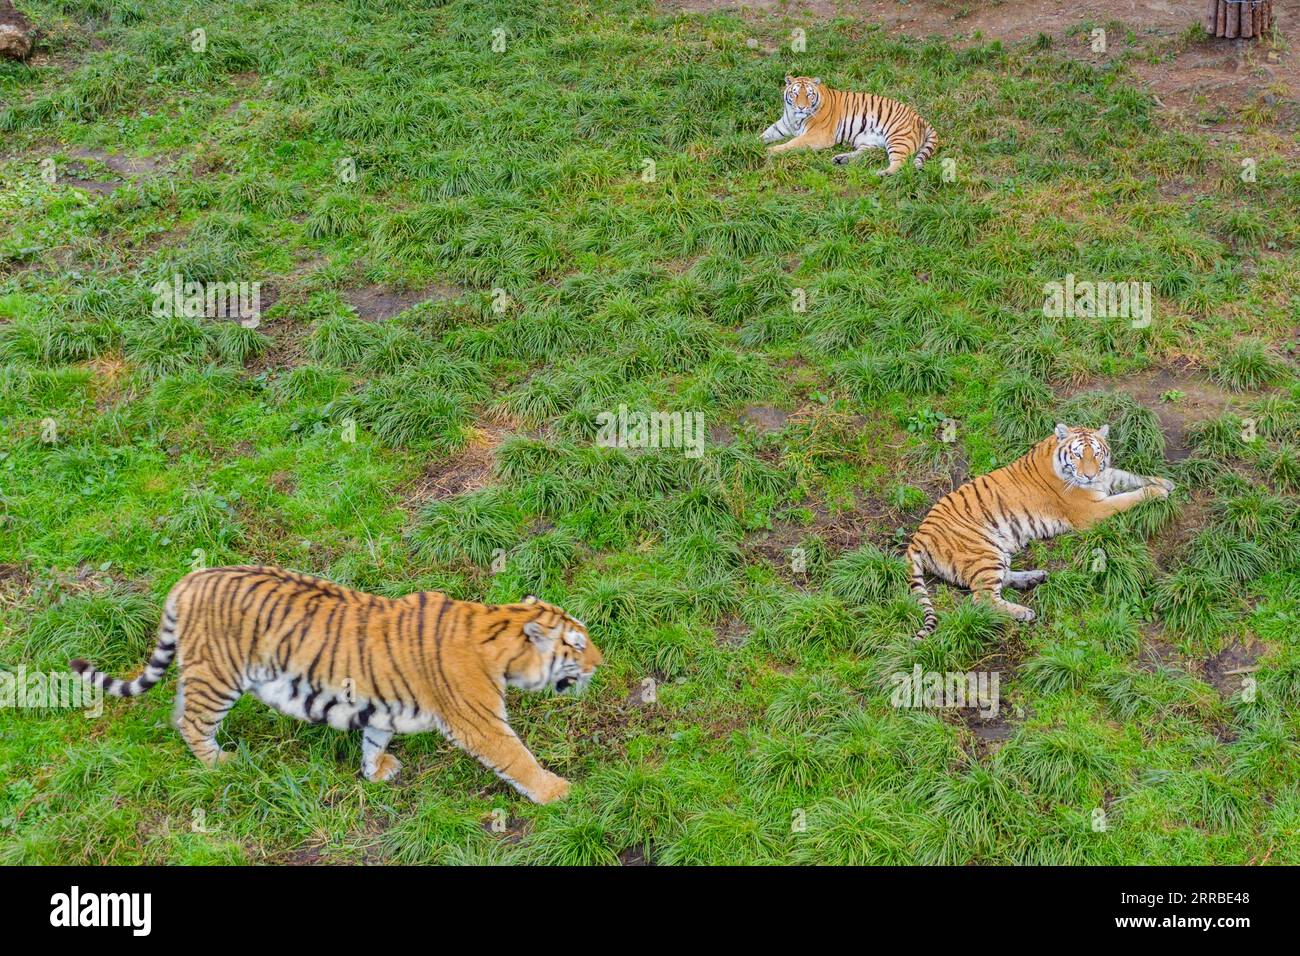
<point>803,95</point>
<point>561,654</point>
<point>1082,454</point>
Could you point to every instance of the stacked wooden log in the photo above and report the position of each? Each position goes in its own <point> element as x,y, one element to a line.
<point>1233,19</point>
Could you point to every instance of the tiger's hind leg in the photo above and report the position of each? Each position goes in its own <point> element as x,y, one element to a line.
<point>376,763</point>
<point>202,702</point>
<point>987,586</point>
<point>898,154</point>
<point>895,164</point>
<point>1024,579</point>
<point>929,143</point>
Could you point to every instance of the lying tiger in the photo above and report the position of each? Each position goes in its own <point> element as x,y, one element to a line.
<point>1065,483</point>
<point>328,654</point>
<point>818,116</point>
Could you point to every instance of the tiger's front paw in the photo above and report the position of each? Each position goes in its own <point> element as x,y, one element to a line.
<point>386,769</point>
<point>551,789</point>
<point>1158,491</point>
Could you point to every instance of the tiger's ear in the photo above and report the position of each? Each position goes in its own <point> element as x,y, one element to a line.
<point>538,635</point>
<point>1062,431</point>
<point>817,81</point>
<point>788,79</point>
<point>531,599</point>
<point>1104,430</point>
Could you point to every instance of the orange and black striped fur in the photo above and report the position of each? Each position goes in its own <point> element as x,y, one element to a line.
<point>328,654</point>
<point>818,116</point>
<point>1065,483</point>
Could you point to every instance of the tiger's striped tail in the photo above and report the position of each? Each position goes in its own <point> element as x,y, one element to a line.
<point>928,145</point>
<point>917,584</point>
<point>153,671</point>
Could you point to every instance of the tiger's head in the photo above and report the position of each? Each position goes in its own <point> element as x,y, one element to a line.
<point>559,653</point>
<point>803,96</point>
<point>1082,454</point>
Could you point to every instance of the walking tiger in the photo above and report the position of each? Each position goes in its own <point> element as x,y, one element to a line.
<point>1065,483</point>
<point>329,654</point>
<point>818,116</point>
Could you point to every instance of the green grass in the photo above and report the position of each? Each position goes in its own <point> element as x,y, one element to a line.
<point>452,446</point>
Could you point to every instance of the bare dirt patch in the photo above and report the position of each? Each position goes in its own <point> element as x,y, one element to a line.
<point>1226,670</point>
<point>721,435</point>
<point>287,346</point>
<point>1158,652</point>
<point>1014,20</point>
<point>303,856</point>
<point>284,482</point>
<point>764,418</point>
<point>82,172</point>
<point>1008,21</point>
<point>469,471</point>
<point>78,178</point>
<point>1208,82</point>
<point>756,419</point>
<point>776,547</point>
<point>1169,546</point>
<point>644,694</point>
<point>989,733</point>
<point>375,303</point>
<point>869,521</point>
<point>514,830</point>
<point>822,9</point>
<point>285,350</point>
<point>733,632</point>
<point>15,584</point>
<point>1192,400</point>
<point>129,166</point>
